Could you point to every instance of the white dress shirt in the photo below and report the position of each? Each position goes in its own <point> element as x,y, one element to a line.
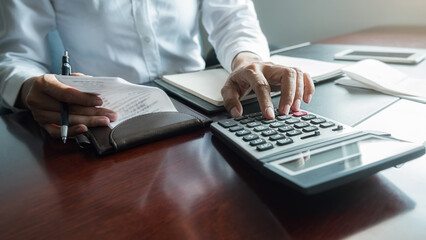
<point>138,40</point>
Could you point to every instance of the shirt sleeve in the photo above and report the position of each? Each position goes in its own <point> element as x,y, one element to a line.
<point>24,26</point>
<point>233,27</point>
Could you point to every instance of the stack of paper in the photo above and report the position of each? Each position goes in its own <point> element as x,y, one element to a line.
<point>381,77</point>
<point>207,84</point>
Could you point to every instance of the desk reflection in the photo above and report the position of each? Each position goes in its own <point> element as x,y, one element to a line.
<point>362,203</point>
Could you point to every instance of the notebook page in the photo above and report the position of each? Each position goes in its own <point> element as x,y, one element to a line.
<point>205,84</point>
<point>318,70</point>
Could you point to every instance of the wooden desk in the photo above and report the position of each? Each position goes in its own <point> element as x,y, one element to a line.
<point>187,187</point>
<point>392,36</point>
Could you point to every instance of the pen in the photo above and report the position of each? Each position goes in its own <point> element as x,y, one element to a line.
<point>66,70</point>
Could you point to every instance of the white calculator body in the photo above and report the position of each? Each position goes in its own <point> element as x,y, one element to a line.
<point>309,152</point>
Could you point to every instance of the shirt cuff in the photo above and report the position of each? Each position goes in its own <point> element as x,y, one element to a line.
<point>12,89</point>
<point>230,54</point>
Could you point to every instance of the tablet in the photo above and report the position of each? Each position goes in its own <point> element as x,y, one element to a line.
<point>404,57</point>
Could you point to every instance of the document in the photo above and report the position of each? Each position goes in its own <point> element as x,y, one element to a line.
<point>126,99</point>
<point>207,84</point>
<point>381,77</point>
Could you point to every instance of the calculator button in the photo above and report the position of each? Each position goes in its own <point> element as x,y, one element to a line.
<point>317,120</point>
<point>309,117</point>
<point>267,121</point>
<point>250,137</point>
<point>293,133</point>
<point>299,113</point>
<point>301,125</point>
<point>257,141</point>
<point>248,120</point>
<point>242,132</point>
<point>310,129</point>
<point>259,118</point>
<point>338,128</point>
<point>316,133</point>
<point>285,128</point>
<point>292,120</point>
<point>277,124</point>
<point>253,124</point>
<point>264,146</point>
<point>285,141</point>
<point>276,137</point>
<point>327,124</point>
<point>255,114</point>
<point>283,117</point>
<point>269,132</point>
<point>227,123</point>
<point>236,128</point>
<point>261,128</point>
<point>240,118</point>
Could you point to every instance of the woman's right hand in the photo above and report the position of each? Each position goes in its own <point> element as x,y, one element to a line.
<point>43,96</point>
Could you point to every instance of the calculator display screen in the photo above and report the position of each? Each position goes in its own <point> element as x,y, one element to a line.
<point>343,156</point>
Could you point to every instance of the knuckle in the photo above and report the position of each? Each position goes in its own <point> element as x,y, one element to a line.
<point>292,72</point>
<point>289,93</point>
<point>252,66</point>
<point>225,94</point>
<point>225,89</point>
<point>39,83</point>
<point>298,70</point>
<point>299,89</point>
<point>31,101</point>
<point>262,84</point>
<point>67,95</point>
<point>42,81</point>
<point>288,97</point>
<point>97,111</point>
<point>95,121</point>
<point>250,70</point>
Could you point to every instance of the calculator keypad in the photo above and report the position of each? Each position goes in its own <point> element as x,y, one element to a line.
<point>264,134</point>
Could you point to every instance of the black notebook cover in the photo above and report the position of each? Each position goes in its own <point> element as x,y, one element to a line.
<point>143,129</point>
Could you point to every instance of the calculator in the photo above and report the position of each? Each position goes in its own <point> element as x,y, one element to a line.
<point>309,152</point>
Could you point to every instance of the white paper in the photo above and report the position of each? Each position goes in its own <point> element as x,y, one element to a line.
<point>126,99</point>
<point>382,77</point>
<point>347,81</point>
<point>205,84</point>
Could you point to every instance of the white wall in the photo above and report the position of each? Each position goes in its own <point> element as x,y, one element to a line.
<point>287,22</point>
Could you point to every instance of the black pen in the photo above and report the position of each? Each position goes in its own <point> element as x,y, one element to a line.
<point>66,70</point>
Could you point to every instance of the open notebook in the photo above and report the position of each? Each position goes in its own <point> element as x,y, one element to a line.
<point>145,114</point>
<point>207,84</point>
